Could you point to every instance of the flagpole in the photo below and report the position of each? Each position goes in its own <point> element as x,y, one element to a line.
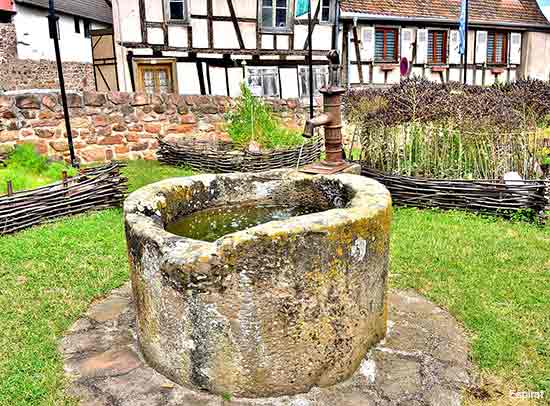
<point>466,44</point>
<point>310,53</point>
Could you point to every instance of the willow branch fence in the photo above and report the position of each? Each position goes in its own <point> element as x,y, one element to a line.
<point>206,159</point>
<point>486,196</point>
<point>93,189</point>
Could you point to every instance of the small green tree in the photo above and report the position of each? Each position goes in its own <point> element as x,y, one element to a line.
<point>252,120</point>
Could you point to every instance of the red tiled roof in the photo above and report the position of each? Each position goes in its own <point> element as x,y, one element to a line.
<point>523,12</point>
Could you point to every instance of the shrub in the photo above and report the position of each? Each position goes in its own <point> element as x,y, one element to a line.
<point>252,121</point>
<point>421,128</point>
<point>27,169</point>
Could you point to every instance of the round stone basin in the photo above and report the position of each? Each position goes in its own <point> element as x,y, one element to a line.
<point>270,310</point>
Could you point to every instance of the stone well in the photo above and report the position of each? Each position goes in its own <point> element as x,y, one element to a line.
<point>274,309</point>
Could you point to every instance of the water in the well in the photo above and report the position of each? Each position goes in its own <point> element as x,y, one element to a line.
<point>213,223</point>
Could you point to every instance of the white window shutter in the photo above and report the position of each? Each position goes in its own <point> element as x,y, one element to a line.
<point>481,46</point>
<point>454,48</point>
<point>407,39</point>
<point>422,46</point>
<point>367,37</point>
<point>515,48</point>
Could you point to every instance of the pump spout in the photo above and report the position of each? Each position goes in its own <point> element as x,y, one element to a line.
<point>317,121</point>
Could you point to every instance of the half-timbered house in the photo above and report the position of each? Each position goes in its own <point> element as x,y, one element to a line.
<point>211,46</point>
<point>506,40</point>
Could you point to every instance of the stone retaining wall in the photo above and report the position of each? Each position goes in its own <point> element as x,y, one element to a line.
<point>117,125</point>
<point>20,74</point>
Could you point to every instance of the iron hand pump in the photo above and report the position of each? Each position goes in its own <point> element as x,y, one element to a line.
<point>331,120</point>
<point>53,25</point>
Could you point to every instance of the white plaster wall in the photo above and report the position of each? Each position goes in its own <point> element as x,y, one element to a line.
<point>289,83</point>
<point>127,24</point>
<point>248,31</point>
<point>200,30</point>
<point>188,78</point>
<point>154,10</point>
<point>33,37</point>
<point>236,76</point>
<point>177,36</point>
<point>218,83</point>
<point>536,61</point>
<point>225,36</point>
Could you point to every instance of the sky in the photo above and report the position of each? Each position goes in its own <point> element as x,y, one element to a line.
<point>545,6</point>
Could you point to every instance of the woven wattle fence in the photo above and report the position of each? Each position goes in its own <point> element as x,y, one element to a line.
<point>488,196</point>
<point>206,159</point>
<point>93,189</point>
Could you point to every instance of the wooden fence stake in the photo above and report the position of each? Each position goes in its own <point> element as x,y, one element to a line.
<point>10,188</point>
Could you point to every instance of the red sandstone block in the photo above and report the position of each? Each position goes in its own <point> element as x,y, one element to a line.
<point>132,136</point>
<point>96,154</point>
<point>188,119</point>
<point>6,136</point>
<point>44,132</point>
<point>50,101</point>
<point>27,102</point>
<point>153,128</point>
<point>101,120</point>
<point>111,140</point>
<point>181,129</point>
<point>142,146</point>
<point>121,149</point>
<point>109,155</point>
<point>59,146</point>
<point>45,123</point>
<point>118,97</point>
<point>94,99</point>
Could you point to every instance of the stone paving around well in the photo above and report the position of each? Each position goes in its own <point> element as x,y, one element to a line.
<point>422,361</point>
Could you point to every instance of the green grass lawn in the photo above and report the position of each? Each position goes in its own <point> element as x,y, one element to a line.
<point>492,275</point>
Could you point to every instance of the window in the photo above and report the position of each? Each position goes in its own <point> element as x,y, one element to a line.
<point>386,44</point>
<point>263,81</point>
<point>177,10</point>
<point>77,25</point>
<point>497,48</point>
<point>437,47</point>
<point>320,79</point>
<point>326,10</point>
<point>275,14</point>
<point>87,29</point>
<point>155,78</point>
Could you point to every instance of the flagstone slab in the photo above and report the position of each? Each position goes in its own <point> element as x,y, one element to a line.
<point>423,361</point>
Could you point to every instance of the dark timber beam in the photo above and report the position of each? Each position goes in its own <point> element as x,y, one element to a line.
<point>235,23</point>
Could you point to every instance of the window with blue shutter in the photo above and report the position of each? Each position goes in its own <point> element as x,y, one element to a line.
<point>497,48</point>
<point>437,47</point>
<point>386,44</point>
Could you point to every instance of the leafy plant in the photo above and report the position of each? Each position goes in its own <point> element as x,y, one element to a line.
<point>27,169</point>
<point>252,120</point>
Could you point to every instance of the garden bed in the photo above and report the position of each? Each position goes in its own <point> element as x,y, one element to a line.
<point>93,189</point>
<point>206,159</point>
<point>487,196</point>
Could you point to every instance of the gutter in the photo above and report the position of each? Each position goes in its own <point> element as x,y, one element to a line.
<point>349,15</point>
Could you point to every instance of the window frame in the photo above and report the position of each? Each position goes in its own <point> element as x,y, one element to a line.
<point>432,60</point>
<point>305,70</point>
<point>386,29</point>
<point>491,59</point>
<point>77,28</point>
<point>251,71</point>
<point>288,28</point>
<point>139,64</point>
<point>168,15</point>
<point>87,28</point>
<point>331,12</point>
